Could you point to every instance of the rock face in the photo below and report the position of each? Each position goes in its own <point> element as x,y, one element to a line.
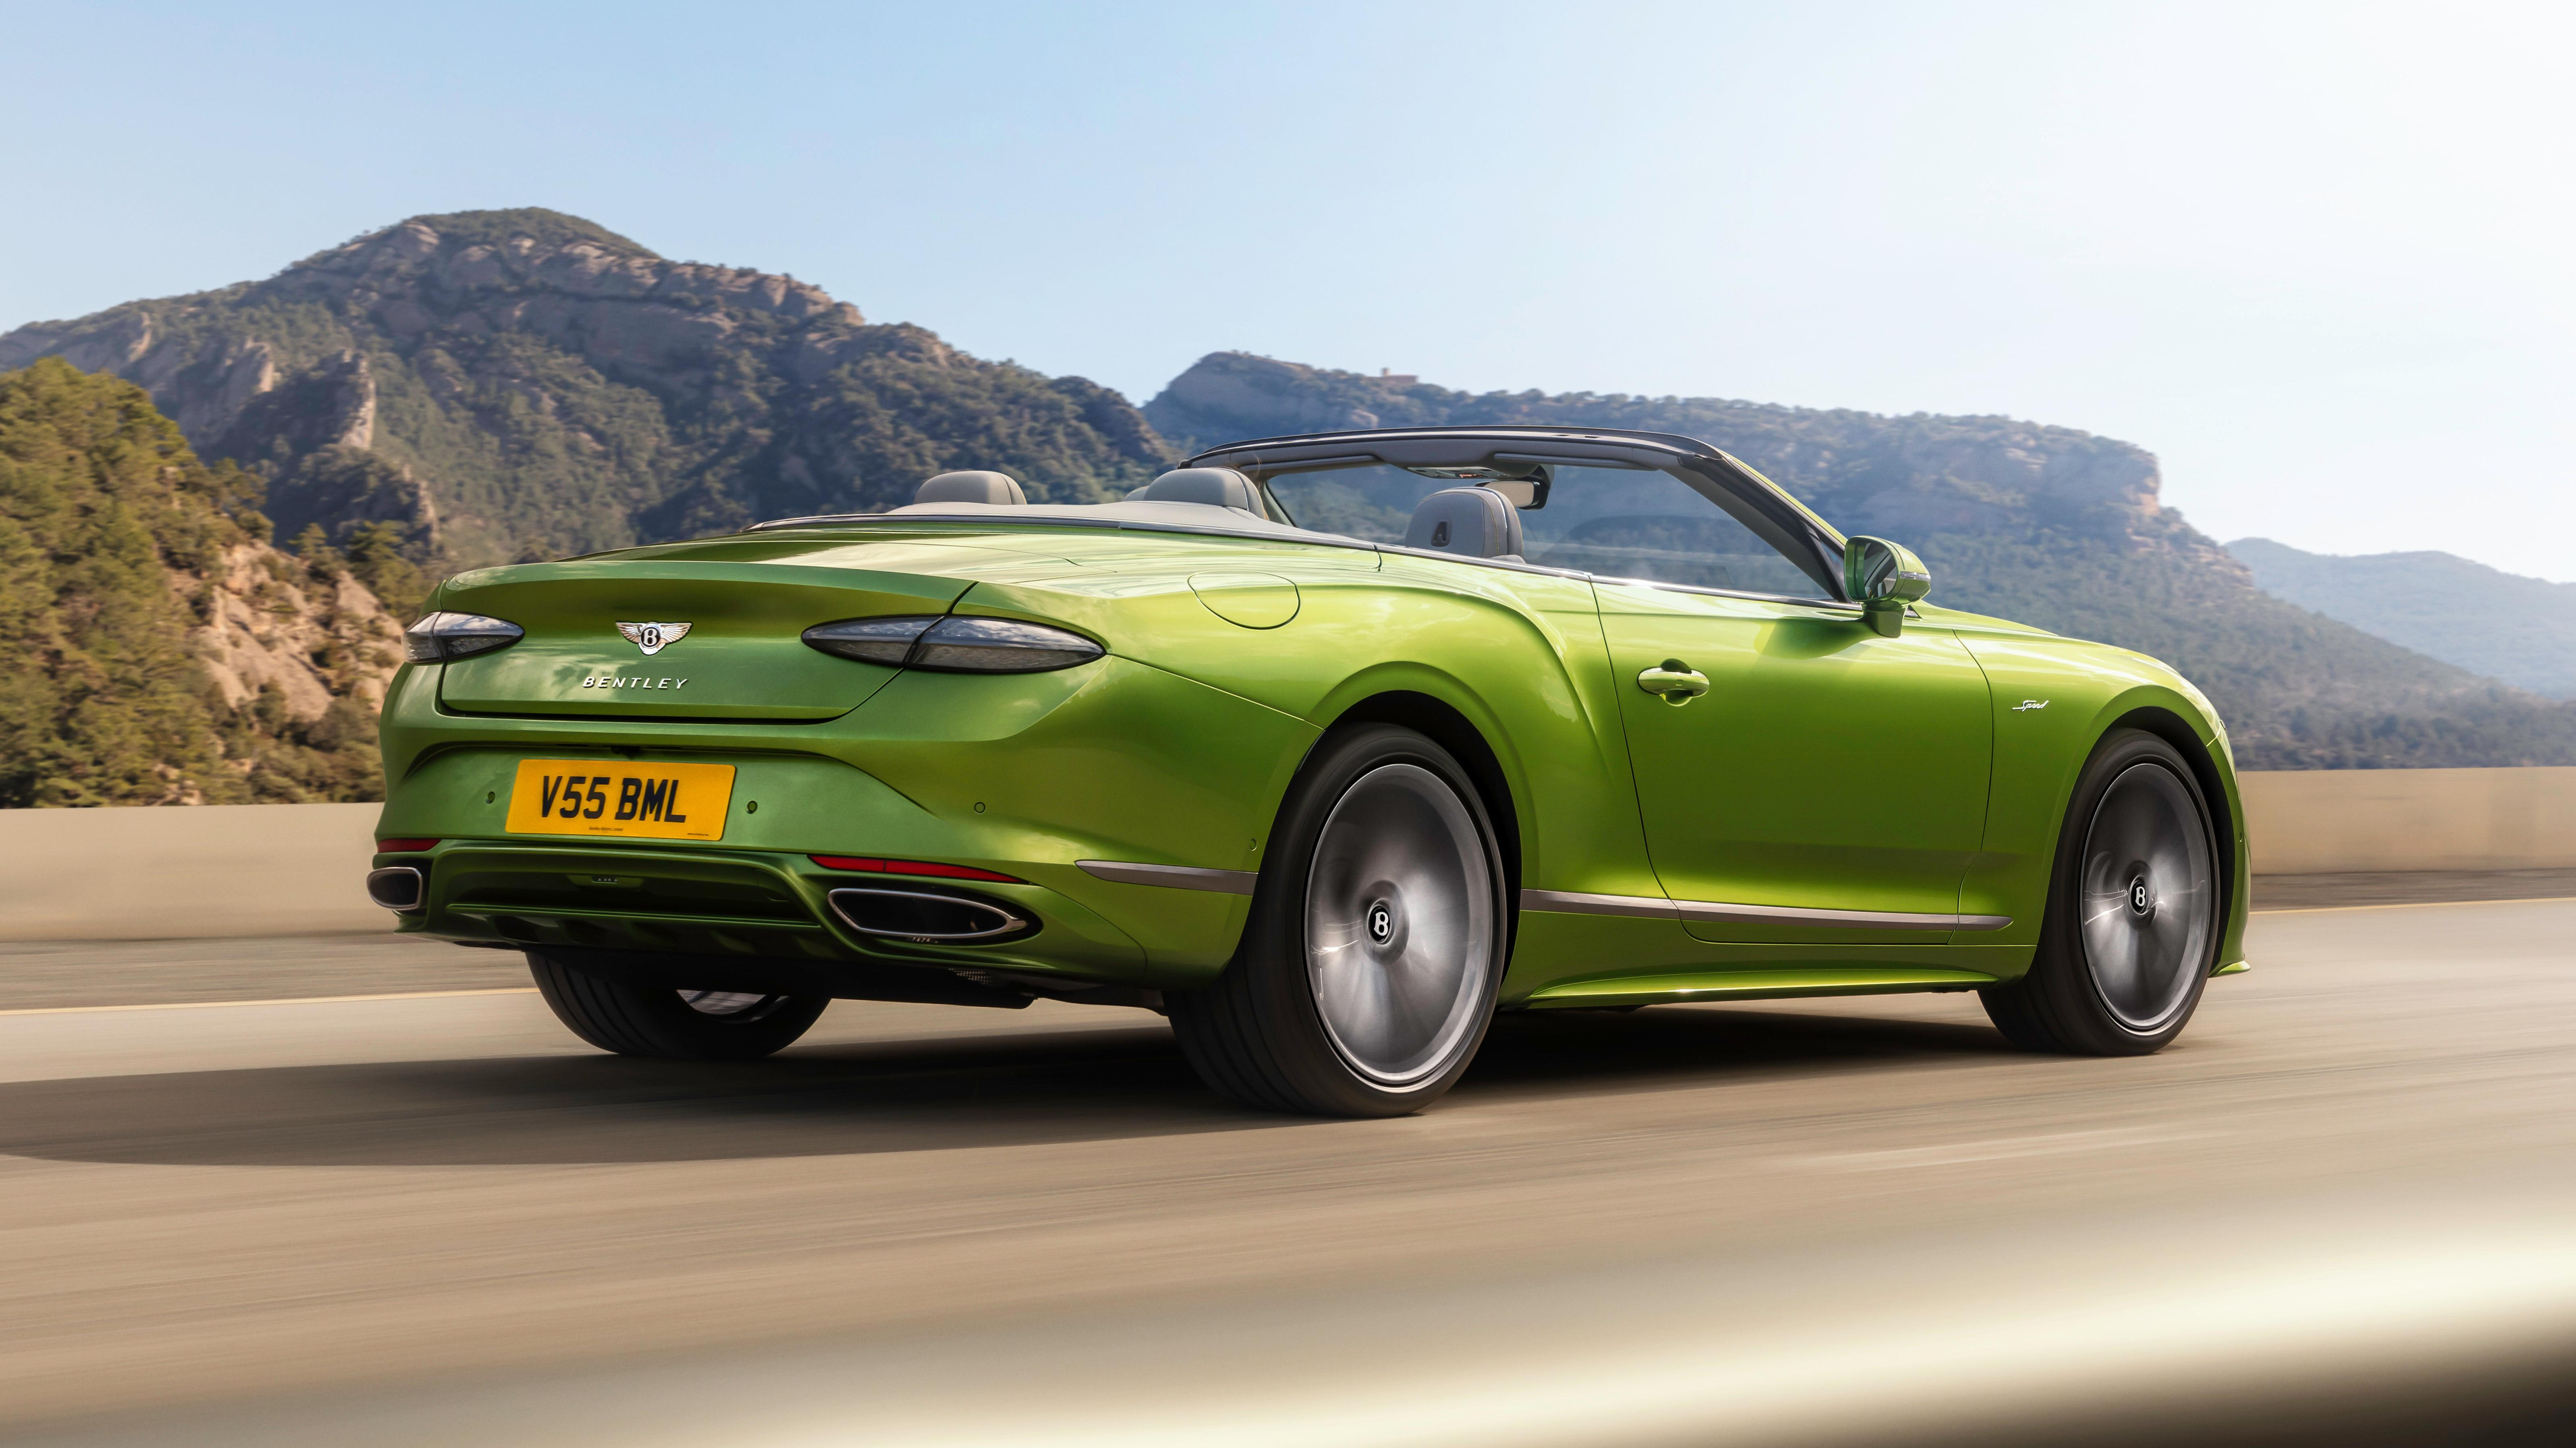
<point>1906,477</point>
<point>2043,524</point>
<point>161,651</point>
<point>270,624</point>
<point>522,383</point>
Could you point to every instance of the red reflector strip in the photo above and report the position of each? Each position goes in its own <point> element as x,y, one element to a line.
<point>403,847</point>
<point>912,867</point>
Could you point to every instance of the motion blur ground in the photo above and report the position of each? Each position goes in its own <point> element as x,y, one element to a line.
<point>2334,1211</point>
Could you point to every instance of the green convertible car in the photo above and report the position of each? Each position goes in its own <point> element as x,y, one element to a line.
<point>1327,747</point>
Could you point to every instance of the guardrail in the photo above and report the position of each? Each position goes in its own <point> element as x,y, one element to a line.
<point>2330,821</point>
<point>165,874</point>
<point>294,869</point>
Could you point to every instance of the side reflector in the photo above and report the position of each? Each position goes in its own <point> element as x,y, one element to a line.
<point>403,847</point>
<point>912,867</point>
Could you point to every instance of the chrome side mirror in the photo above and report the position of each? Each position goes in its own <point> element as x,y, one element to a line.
<point>1883,577</point>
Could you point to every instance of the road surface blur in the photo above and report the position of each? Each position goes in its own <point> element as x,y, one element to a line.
<point>440,1219</point>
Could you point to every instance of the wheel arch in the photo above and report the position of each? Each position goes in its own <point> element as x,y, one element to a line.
<point>1450,728</point>
<point>2177,731</point>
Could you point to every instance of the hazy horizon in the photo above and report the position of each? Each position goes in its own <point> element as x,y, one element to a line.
<point>2306,255</point>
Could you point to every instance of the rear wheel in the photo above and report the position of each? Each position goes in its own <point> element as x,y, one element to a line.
<point>672,1025</point>
<point>2132,927</point>
<point>1368,970</point>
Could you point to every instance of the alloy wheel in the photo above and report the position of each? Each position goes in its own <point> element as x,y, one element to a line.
<point>2149,897</point>
<point>731,1005</point>
<point>1400,925</point>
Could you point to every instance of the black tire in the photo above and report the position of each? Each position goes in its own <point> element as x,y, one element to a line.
<point>672,1025</point>
<point>1335,1016</point>
<point>2135,910</point>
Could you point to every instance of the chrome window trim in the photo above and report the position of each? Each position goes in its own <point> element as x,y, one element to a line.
<point>1502,563</point>
<point>1834,604</point>
<point>1172,877</point>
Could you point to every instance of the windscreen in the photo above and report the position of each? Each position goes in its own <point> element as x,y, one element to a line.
<point>1615,522</point>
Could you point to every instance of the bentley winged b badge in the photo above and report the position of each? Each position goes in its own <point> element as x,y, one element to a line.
<point>652,638</point>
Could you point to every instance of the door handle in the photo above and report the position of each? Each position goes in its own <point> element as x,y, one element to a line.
<point>1673,681</point>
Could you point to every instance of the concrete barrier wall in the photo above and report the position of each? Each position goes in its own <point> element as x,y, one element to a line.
<point>2320,822</point>
<point>294,869</point>
<point>160,874</point>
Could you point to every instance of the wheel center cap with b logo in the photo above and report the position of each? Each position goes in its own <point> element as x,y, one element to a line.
<point>1381,922</point>
<point>2141,900</point>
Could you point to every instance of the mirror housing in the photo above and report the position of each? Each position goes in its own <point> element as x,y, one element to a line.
<point>1883,577</point>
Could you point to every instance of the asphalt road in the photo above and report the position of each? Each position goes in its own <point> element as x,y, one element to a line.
<point>439,1219</point>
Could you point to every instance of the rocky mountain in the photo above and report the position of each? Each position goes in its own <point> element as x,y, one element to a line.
<point>465,389</point>
<point>1903,477</point>
<point>2484,619</point>
<point>2044,524</point>
<point>505,384</point>
<point>161,651</point>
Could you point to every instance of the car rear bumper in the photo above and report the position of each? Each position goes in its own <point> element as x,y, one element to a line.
<point>758,910</point>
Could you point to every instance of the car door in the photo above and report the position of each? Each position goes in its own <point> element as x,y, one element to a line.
<point>1804,779</point>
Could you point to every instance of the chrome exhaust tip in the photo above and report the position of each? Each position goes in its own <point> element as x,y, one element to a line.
<point>397,887</point>
<point>924,918</point>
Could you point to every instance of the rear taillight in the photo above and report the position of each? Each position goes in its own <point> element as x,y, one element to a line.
<point>912,867</point>
<point>443,636</point>
<point>404,847</point>
<point>955,644</point>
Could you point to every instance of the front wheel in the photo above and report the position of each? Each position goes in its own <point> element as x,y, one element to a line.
<point>1368,969</point>
<point>2132,925</point>
<point>672,1025</point>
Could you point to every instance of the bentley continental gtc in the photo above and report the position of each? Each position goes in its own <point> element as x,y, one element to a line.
<point>1328,748</point>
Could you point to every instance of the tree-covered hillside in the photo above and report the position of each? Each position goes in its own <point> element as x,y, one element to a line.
<point>2044,524</point>
<point>2499,624</point>
<point>160,651</point>
<point>506,384</point>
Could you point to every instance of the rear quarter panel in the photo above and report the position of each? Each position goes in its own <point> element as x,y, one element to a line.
<point>1519,655</point>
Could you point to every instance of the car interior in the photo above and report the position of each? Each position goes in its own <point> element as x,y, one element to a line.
<point>1614,515</point>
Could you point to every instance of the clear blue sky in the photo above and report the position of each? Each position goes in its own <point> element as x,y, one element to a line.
<point>2315,257</point>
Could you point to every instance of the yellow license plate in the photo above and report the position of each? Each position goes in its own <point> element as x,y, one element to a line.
<point>628,801</point>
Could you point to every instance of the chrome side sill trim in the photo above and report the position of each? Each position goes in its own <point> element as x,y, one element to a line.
<point>1710,911</point>
<point>1566,902</point>
<point>1176,877</point>
<point>1715,912</point>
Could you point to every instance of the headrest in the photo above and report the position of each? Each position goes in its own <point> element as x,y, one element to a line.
<point>1477,522</point>
<point>970,487</point>
<point>1216,487</point>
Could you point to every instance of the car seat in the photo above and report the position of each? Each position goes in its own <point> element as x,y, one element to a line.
<point>1476,522</point>
<point>970,487</point>
<point>1215,487</point>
